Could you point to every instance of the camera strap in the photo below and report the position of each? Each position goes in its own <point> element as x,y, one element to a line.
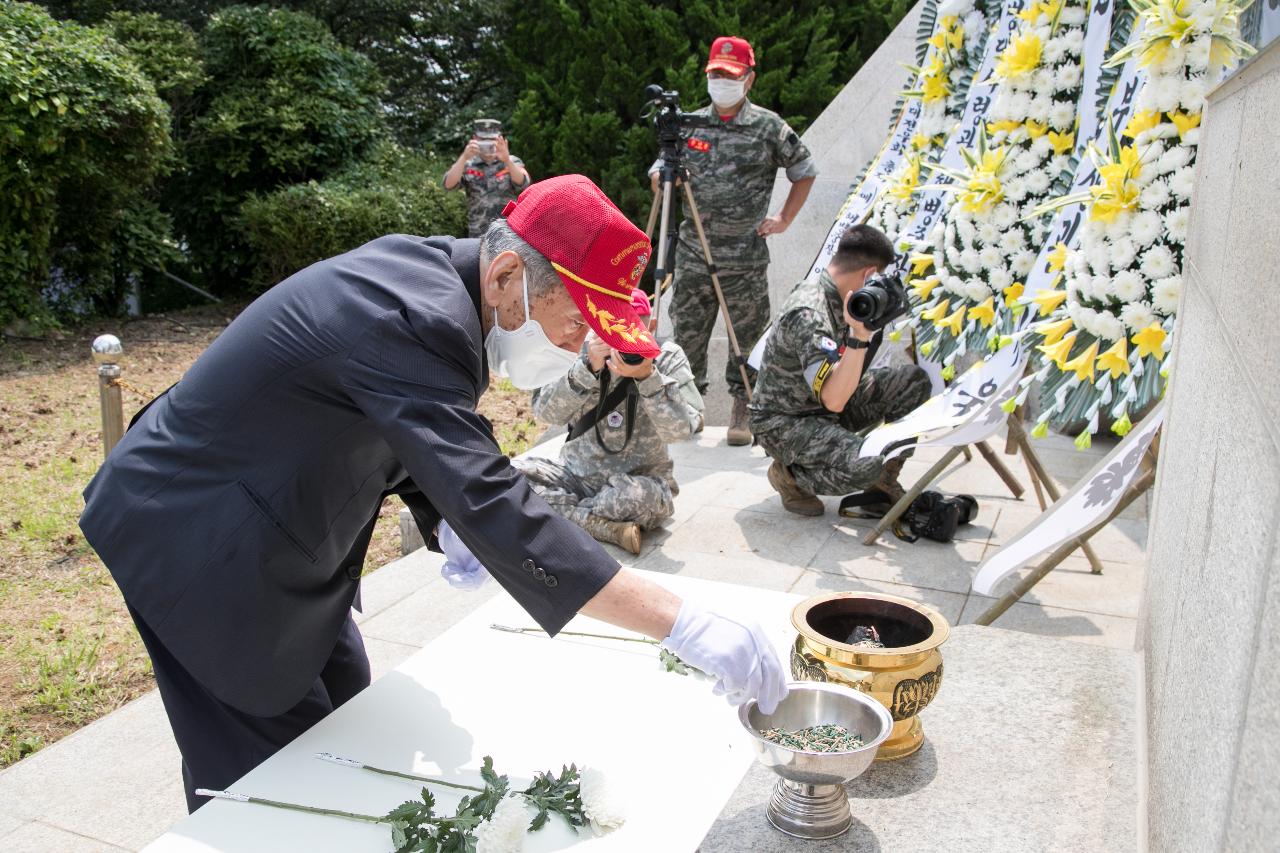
<point>608,401</point>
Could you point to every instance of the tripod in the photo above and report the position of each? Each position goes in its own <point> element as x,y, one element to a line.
<point>671,171</point>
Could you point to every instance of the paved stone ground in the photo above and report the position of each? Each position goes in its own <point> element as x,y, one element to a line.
<point>114,785</point>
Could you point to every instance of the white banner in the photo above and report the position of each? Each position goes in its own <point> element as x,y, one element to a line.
<point>933,203</point>
<point>1079,510</point>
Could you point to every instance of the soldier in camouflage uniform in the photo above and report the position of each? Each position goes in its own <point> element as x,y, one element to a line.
<point>614,496</point>
<point>732,163</point>
<point>489,172</point>
<point>814,397</point>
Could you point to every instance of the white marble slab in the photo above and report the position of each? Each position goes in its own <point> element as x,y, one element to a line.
<point>531,702</point>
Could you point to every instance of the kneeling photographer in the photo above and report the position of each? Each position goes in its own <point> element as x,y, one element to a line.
<point>815,394</point>
<point>614,476</point>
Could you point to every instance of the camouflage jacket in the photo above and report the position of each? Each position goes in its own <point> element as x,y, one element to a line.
<point>733,165</point>
<point>803,348</point>
<point>670,409</point>
<point>489,188</point>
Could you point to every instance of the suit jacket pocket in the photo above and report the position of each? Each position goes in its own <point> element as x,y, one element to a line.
<point>269,514</point>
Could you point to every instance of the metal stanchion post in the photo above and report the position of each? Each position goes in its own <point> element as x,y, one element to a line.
<point>106,352</point>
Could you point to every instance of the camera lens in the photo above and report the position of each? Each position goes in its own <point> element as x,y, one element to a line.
<point>867,304</point>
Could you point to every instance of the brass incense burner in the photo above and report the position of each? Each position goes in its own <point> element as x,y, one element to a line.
<point>904,676</point>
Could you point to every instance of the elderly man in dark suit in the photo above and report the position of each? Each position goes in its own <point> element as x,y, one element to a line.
<point>236,512</point>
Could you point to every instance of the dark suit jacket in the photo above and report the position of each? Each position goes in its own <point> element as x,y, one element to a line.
<point>235,514</point>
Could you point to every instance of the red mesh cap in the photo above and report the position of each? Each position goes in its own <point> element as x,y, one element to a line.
<point>598,253</point>
<point>732,54</point>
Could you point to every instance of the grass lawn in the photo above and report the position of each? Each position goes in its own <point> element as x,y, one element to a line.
<point>68,651</point>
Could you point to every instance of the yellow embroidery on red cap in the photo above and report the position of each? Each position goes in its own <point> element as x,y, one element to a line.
<point>582,281</point>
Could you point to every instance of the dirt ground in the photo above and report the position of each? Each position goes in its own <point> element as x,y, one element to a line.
<point>68,651</point>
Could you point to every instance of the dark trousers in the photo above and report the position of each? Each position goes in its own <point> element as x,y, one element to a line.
<point>219,743</point>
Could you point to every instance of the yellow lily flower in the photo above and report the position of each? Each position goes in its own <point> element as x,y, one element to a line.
<point>1053,332</point>
<point>1013,293</point>
<point>926,348</point>
<point>919,141</point>
<point>954,322</point>
<point>983,188</point>
<point>1084,440</point>
<point>1057,353</point>
<point>920,264</point>
<point>906,183</point>
<point>1115,359</point>
<point>1035,129</point>
<point>924,286</point>
<point>1122,426</point>
<point>994,127</point>
<point>937,312</point>
<point>1184,122</point>
<point>949,372</point>
<point>1022,56</point>
<point>1062,142</point>
<point>984,313</point>
<point>1058,257</point>
<point>1048,300</point>
<point>1083,364</point>
<point>1040,430</point>
<point>1150,341</point>
<point>1141,121</point>
<point>934,89</point>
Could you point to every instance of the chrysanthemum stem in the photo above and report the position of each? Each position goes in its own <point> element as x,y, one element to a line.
<point>278,804</point>
<point>575,634</point>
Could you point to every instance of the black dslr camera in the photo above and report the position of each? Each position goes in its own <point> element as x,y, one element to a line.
<point>881,300</point>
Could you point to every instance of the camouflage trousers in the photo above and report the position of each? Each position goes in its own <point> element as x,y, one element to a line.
<point>647,501</point>
<point>694,309</point>
<point>822,452</point>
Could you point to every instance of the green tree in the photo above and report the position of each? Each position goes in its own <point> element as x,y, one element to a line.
<point>581,67</point>
<point>82,138</point>
<point>283,103</point>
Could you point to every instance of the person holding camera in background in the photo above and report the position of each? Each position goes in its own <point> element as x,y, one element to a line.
<point>815,391</point>
<point>490,173</point>
<point>614,477</point>
<point>733,156</point>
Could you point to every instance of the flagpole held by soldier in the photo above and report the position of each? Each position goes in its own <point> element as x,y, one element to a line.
<point>490,174</point>
<point>732,156</point>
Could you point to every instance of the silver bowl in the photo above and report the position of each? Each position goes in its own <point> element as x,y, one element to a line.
<point>809,800</point>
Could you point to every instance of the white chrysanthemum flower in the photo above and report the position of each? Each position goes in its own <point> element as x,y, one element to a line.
<point>1165,294</point>
<point>1193,92</point>
<point>1057,165</point>
<point>1062,115</point>
<point>1041,147</point>
<point>1072,16</point>
<point>976,290</point>
<point>1015,189</point>
<point>964,227</point>
<point>1137,315</point>
<point>1198,54</point>
<point>1074,41</point>
<point>959,214</point>
<point>1038,182</point>
<point>1004,216</point>
<point>954,285</point>
<point>1182,182</point>
<point>988,233</point>
<point>1176,222</point>
<point>1066,77</point>
<point>1040,107</point>
<point>970,262</point>
<point>1128,286</point>
<point>1038,230</point>
<point>1173,159</point>
<point>1042,80</point>
<point>1145,227</point>
<point>1081,315</point>
<point>999,279</point>
<point>1175,57</point>
<point>505,831</point>
<point>1099,260</point>
<point>1022,263</point>
<point>1018,105</point>
<point>990,258</point>
<point>1123,254</point>
<point>1108,325</point>
<point>1158,262</point>
<point>1076,263</point>
<point>1080,287</point>
<point>1012,241</point>
<point>1191,137</point>
<point>602,803</point>
<point>1053,51</point>
<point>1155,195</point>
<point>1165,92</point>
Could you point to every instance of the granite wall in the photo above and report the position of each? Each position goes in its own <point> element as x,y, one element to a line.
<point>1210,630</point>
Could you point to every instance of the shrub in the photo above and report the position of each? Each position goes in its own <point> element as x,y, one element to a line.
<point>283,103</point>
<point>395,191</point>
<point>82,137</point>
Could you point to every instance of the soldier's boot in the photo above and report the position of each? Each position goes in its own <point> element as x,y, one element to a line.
<point>888,482</point>
<point>624,534</point>
<point>739,430</point>
<point>794,498</point>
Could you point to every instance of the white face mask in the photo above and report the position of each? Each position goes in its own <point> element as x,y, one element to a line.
<point>724,92</point>
<point>526,355</point>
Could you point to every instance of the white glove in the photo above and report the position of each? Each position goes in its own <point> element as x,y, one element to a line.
<point>736,652</point>
<point>461,568</point>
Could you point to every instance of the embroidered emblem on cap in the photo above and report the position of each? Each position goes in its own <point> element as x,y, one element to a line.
<point>727,47</point>
<point>638,269</point>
